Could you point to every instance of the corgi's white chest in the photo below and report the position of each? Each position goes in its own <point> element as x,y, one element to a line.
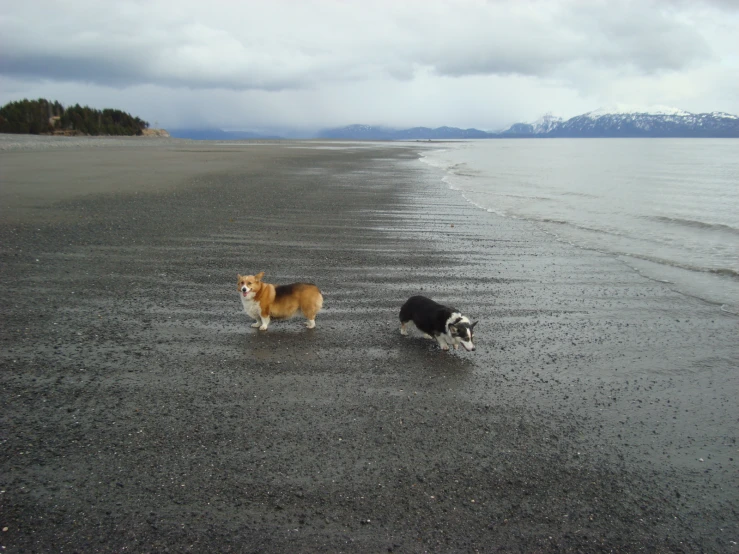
<point>251,307</point>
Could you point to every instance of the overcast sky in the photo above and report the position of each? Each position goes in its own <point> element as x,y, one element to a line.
<point>270,64</point>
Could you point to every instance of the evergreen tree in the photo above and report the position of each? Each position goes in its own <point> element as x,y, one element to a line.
<point>35,117</point>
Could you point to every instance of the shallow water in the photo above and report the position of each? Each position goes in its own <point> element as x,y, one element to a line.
<point>668,208</point>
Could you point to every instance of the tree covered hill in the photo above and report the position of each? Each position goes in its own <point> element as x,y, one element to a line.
<point>42,117</point>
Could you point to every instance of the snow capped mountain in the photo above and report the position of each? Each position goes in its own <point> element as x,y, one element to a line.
<point>724,115</point>
<point>658,121</point>
<point>546,123</point>
<point>633,121</point>
<point>541,126</point>
<point>624,109</point>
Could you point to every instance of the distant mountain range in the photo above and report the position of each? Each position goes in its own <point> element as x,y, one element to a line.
<point>602,123</point>
<point>633,122</point>
<point>368,132</point>
<point>616,122</point>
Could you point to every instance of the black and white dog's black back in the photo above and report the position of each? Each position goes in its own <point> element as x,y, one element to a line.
<point>447,325</point>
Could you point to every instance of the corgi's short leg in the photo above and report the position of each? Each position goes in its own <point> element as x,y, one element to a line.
<point>256,324</point>
<point>310,313</point>
<point>265,323</point>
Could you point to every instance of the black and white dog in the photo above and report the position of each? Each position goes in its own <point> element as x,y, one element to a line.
<point>447,325</point>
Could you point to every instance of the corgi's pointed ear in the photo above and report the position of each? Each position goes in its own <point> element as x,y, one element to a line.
<point>238,276</point>
<point>259,276</point>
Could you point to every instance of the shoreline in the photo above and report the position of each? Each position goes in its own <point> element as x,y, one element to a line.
<point>688,268</point>
<point>597,413</point>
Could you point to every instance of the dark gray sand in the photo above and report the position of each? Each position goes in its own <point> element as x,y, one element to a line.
<point>141,413</point>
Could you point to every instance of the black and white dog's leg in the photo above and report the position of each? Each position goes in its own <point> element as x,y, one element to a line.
<point>442,342</point>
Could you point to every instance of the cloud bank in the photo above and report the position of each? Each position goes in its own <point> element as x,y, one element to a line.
<point>330,62</point>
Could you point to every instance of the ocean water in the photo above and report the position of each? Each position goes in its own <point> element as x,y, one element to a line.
<point>669,208</point>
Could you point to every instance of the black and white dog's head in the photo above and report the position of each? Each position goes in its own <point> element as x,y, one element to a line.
<point>461,331</point>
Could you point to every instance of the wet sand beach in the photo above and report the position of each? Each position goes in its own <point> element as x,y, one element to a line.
<point>142,413</point>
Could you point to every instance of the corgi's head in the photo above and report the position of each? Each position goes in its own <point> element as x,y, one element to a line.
<point>250,285</point>
<point>463,332</point>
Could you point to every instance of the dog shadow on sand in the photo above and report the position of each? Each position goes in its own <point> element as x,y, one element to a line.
<point>425,353</point>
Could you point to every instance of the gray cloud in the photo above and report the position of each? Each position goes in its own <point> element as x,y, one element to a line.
<point>328,57</point>
<point>273,49</point>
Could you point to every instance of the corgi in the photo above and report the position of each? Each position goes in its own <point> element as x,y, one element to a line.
<point>263,301</point>
<point>447,325</point>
